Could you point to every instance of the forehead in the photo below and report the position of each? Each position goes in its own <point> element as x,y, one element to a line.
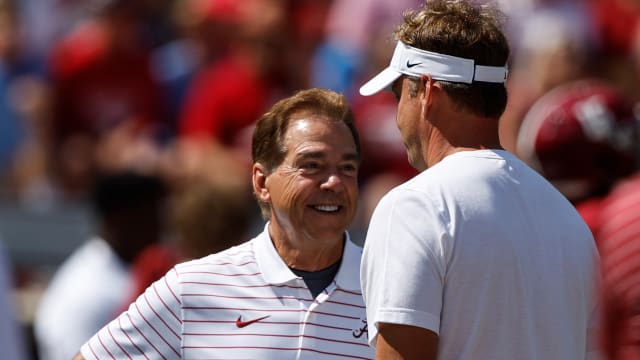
<point>317,132</point>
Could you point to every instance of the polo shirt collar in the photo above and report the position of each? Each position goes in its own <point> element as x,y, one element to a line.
<point>273,268</point>
<point>348,276</point>
<point>276,272</point>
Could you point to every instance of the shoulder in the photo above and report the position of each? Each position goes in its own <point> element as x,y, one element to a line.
<point>418,206</point>
<point>424,188</point>
<point>237,256</point>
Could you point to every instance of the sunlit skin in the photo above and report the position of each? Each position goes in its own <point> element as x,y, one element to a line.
<point>313,193</point>
<point>432,126</point>
<point>409,123</point>
<point>420,121</point>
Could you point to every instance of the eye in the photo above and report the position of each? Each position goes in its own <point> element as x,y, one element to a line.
<point>310,165</point>
<point>349,168</point>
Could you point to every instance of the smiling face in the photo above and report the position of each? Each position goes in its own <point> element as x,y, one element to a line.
<point>313,193</point>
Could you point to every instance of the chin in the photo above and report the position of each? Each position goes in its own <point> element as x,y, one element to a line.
<point>328,233</point>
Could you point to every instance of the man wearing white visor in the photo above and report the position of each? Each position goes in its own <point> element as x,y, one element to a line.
<point>478,256</point>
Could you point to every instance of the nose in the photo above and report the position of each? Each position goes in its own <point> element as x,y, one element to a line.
<point>333,182</point>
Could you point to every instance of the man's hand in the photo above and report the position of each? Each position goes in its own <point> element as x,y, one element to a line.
<point>78,356</point>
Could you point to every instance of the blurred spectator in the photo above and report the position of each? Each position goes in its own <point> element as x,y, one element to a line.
<point>91,285</point>
<point>101,79</point>
<point>208,218</point>
<point>616,23</point>
<point>617,29</point>
<point>227,96</point>
<point>203,31</point>
<point>519,12</point>
<point>123,148</point>
<point>619,240</point>
<point>306,21</point>
<point>30,181</point>
<point>582,137</point>
<point>49,20</point>
<point>10,127</point>
<point>20,79</point>
<point>343,58</point>
<point>11,337</point>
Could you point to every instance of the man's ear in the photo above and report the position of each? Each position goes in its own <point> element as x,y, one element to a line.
<point>259,179</point>
<point>427,86</point>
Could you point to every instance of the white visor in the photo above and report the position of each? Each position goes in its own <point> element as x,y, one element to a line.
<point>416,62</point>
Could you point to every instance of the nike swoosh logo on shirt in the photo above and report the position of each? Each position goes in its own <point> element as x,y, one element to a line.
<point>241,324</point>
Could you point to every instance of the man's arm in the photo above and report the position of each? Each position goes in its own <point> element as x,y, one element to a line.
<point>405,342</point>
<point>78,356</point>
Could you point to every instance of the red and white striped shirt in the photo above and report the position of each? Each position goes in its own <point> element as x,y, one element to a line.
<point>619,244</point>
<point>242,303</point>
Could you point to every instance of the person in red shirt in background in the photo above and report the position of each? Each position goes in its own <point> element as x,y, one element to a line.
<point>619,241</point>
<point>616,24</point>
<point>101,80</point>
<point>227,95</point>
<point>583,137</point>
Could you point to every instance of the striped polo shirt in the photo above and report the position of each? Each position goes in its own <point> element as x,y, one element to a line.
<point>242,303</point>
<point>619,241</point>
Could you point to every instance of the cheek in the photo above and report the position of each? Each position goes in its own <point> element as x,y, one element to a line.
<point>289,197</point>
<point>402,116</point>
<point>292,190</point>
<point>352,184</point>
<point>352,190</point>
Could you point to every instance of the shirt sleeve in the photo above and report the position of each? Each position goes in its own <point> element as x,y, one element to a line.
<point>403,265</point>
<point>150,329</point>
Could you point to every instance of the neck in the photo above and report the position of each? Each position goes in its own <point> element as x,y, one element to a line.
<point>461,133</point>
<point>303,252</point>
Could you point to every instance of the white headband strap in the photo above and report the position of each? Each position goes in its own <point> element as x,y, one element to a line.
<point>412,61</point>
<point>416,62</point>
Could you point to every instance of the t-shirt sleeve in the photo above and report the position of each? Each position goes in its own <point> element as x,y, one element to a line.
<point>150,328</point>
<point>403,265</point>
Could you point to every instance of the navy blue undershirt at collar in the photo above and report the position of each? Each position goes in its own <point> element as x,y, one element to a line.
<point>318,280</point>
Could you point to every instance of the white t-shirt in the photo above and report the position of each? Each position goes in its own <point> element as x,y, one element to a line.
<point>483,251</point>
<point>87,291</point>
<point>242,303</point>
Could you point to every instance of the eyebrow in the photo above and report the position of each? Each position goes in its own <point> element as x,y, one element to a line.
<point>319,155</point>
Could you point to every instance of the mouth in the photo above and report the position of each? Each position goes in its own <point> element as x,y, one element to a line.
<point>327,209</point>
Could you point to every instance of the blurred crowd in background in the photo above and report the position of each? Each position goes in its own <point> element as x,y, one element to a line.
<point>131,120</point>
